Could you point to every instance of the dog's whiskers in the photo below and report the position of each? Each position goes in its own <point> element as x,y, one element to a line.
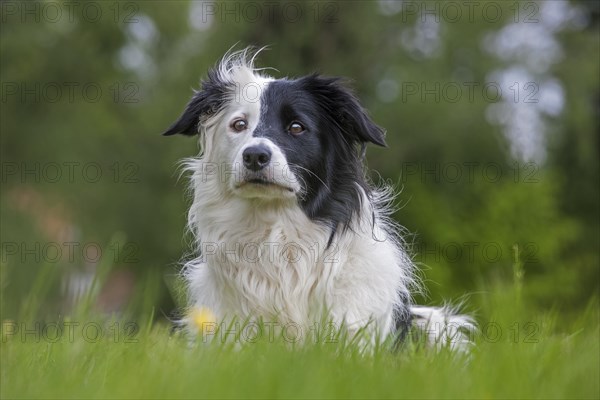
<point>310,172</point>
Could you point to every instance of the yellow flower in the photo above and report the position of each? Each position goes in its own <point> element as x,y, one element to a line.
<point>202,317</point>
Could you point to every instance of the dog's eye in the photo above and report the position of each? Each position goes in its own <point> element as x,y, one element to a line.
<point>239,125</point>
<point>296,128</point>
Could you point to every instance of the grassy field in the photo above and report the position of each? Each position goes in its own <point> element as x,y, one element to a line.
<point>518,352</point>
<point>116,360</point>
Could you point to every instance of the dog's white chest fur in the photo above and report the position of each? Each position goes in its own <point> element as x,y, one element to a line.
<point>268,260</point>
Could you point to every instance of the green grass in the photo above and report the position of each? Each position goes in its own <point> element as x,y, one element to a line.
<point>519,352</point>
<point>534,363</point>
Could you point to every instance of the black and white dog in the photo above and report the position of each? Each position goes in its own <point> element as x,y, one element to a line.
<point>286,225</point>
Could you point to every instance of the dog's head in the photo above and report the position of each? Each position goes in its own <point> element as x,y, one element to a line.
<point>297,139</point>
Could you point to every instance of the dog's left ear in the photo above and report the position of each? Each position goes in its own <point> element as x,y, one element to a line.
<point>205,102</point>
<point>343,106</point>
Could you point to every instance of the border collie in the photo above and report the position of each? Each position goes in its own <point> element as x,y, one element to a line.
<point>286,226</point>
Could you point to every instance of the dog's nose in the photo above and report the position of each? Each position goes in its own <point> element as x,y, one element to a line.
<point>256,157</point>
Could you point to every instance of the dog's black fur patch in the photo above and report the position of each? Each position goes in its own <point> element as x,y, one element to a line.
<point>326,155</point>
<point>207,101</point>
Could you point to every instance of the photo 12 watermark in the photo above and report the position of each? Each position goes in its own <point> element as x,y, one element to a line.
<point>70,92</point>
<point>460,12</point>
<point>471,252</point>
<point>261,12</point>
<point>69,331</point>
<point>471,92</point>
<point>470,172</point>
<point>258,253</point>
<point>69,172</point>
<point>68,252</point>
<point>57,12</point>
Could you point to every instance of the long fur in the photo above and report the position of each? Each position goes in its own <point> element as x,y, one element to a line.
<point>307,238</point>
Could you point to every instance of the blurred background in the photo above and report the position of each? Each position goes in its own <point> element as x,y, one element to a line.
<point>491,110</point>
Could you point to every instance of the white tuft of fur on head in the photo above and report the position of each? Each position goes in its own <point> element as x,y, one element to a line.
<point>238,66</point>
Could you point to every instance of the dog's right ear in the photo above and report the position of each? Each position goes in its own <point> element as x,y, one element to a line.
<point>205,102</point>
<point>188,122</point>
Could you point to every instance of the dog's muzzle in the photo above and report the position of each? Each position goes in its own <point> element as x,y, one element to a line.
<point>263,172</point>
